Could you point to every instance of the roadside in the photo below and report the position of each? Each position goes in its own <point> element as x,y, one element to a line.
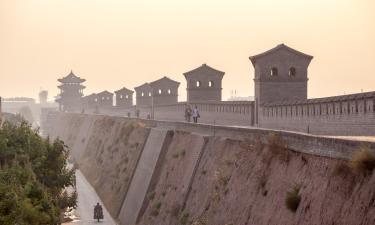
<point>87,198</point>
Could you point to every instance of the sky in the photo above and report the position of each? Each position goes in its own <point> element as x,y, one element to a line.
<point>123,43</point>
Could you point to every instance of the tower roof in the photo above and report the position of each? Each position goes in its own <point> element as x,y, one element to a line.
<point>167,79</point>
<point>124,90</point>
<point>147,85</point>
<point>104,93</point>
<point>71,78</point>
<point>203,68</point>
<point>279,47</point>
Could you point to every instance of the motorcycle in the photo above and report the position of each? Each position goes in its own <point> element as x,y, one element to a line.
<point>98,212</point>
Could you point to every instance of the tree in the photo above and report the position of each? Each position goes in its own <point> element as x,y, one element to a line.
<point>33,177</point>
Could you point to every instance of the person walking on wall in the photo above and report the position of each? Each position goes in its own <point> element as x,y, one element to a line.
<point>187,113</point>
<point>196,114</point>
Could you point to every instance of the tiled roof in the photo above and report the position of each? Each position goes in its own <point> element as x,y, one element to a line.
<point>203,67</point>
<point>277,48</point>
<point>71,78</point>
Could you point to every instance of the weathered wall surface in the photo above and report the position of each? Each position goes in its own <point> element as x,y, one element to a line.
<point>217,174</point>
<point>340,115</point>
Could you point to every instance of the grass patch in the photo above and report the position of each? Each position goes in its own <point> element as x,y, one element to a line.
<point>277,147</point>
<point>293,198</point>
<point>342,169</point>
<point>184,218</point>
<point>363,161</point>
<point>151,196</point>
<point>157,205</point>
<point>221,179</point>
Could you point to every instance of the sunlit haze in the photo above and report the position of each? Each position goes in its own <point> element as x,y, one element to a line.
<point>117,43</point>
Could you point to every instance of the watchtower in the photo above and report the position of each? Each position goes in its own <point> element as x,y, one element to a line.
<point>165,91</point>
<point>280,75</point>
<point>204,84</point>
<point>124,98</point>
<point>143,95</point>
<point>70,98</point>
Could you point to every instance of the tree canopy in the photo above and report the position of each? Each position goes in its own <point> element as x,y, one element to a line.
<point>33,177</point>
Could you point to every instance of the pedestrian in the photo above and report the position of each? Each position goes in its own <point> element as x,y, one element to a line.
<point>196,114</point>
<point>187,113</point>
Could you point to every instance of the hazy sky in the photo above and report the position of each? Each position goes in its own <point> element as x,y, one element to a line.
<point>116,43</point>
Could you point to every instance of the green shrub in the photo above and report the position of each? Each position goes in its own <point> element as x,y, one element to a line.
<point>184,218</point>
<point>342,168</point>
<point>363,161</point>
<point>293,198</point>
<point>151,196</point>
<point>157,205</point>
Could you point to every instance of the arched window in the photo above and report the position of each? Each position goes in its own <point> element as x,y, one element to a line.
<point>159,91</point>
<point>149,94</point>
<point>107,98</point>
<point>102,98</point>
<point>169,91</point>
<point>143,94</point>
<point>127,96</point>
<point>210,83</point>
<point>121,96</point>
<point>292,72</point>
<point>274,71</point>
<point>96,99</point>
<point>198,83</point>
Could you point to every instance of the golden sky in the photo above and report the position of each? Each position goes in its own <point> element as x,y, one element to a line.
<point>116,43</point>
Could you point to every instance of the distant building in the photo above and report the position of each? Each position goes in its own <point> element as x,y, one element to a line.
<point>165,91</point>
<point>143,95</point>
<point>105,99</point>
<point>204,84</point>
<point>90,102</point>
<point>280,74</point>
<point>124,98</point>
<point>43,96</point>
<point>71,92</point>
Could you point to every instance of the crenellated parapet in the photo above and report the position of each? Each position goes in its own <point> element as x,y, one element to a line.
<point>341,115</point>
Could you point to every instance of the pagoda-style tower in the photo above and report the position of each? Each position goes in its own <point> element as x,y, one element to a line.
<point>70,97</point>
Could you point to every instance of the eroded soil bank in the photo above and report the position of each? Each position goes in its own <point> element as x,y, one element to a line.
<point>216,180</point>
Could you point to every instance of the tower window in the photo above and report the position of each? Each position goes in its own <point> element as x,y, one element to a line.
<point>274,71</point>
<point>159,91</point>
<point>210,83</point>
<point>292,72</point>
<point>149,94</point>
<point>127,96</point>
<point>198,84</point>
<point>121,96</point>
<point>143,94</point>
<point>169,91</point>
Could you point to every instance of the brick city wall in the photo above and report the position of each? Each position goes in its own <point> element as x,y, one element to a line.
<point>340,115</point>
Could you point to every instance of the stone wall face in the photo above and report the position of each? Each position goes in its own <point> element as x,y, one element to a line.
<point>345,115</point>
<point>124,101</point>
<point>223,113</point>
<point>204,94</point>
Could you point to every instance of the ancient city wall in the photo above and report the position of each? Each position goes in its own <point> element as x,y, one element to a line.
<point>340,115</point>
<point>181,173</point>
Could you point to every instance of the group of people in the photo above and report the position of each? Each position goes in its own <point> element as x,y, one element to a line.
<point>189,112</point>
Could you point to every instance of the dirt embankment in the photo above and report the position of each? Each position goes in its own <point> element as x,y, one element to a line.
<point>217,180</point>
<point>246,183</point>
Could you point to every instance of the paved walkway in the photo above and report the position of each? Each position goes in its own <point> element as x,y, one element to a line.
<point>87,199</point>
